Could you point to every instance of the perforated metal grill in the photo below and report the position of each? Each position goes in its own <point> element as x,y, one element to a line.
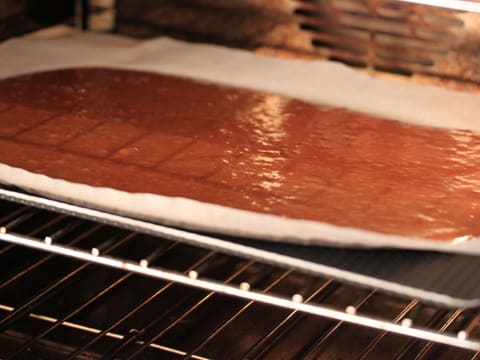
<point>392,36</point>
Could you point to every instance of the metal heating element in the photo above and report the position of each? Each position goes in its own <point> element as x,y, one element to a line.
<point>78,283</point>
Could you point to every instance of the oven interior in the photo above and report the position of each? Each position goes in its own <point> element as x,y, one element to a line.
<point>82,284</point>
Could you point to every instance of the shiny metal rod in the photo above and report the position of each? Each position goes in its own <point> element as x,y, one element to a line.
<point>221,288</point>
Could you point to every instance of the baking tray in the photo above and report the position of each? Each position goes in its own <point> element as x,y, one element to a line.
<point>446,279</point>
<point>449,280</point>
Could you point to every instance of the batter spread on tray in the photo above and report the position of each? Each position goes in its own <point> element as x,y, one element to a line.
<point>145,132</point>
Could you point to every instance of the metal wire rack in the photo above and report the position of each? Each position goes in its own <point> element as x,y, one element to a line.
<point>91,284</point>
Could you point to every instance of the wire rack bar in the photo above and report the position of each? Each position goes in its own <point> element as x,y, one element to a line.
<point>294,303</point>
<point>228,247</point>
<point>199,303</point>
<point>104,332</point>
<point>264,344</point>
<point>92,330</point>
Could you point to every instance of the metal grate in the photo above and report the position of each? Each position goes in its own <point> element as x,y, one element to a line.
<point>77,288</point>
<point>392,36</point>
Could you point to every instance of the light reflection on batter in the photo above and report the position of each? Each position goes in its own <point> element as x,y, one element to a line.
<point>265,123</point>
<point>265,119</point>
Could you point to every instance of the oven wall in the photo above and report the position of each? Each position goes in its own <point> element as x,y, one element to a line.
<point>240,23</point>
<point>22,16</point>
<point>430,44</point>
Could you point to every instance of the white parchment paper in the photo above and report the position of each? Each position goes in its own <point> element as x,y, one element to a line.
<point>321,82</point>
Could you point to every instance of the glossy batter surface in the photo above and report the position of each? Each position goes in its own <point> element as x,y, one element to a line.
<point>145,132</point>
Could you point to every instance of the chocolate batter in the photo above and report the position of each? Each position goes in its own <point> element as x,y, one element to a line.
<point>144,132</point>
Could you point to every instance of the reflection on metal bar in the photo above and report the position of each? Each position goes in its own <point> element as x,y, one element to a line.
<point>13,214</point>
<point>44,295</point>
<point>460,5</point>
<point>264,344</point>
<point>59,322</point>
<point>312,351</point>
<point>126,316</point>
<point>166,313</point>
<point>24,216</point>
<point>405,314</point>
<point>92,330</point>
<point>239,312</point>
<point>189,311</point>
<point>51,290</point>
<point>469,327</point>
<point>20,219</point>
<point>36,264</point>
<point>433,322</point>
<point>222,288</point>
<point>451,319</point>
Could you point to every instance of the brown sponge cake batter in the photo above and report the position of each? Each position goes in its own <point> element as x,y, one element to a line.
<point>145,132</point>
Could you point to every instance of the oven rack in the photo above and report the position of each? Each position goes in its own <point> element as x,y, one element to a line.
<point>301,301</point>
